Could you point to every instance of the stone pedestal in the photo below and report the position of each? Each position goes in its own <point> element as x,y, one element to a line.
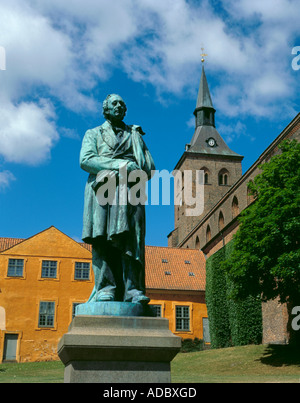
<point>118,349</point>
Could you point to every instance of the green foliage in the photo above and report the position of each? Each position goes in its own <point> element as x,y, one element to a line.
<point>266,256</point>
<point>191,345</point>
<point>231,323</point>
<point>216,301</point>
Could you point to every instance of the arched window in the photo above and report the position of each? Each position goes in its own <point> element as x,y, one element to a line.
<point>223,177</point>
<point>208,234</point>
<point>207,115</point>
<point>197,243</point>
<point>206,175</point>
<point>235,207</point>
<point>250,196</point>
<point>221,221</point>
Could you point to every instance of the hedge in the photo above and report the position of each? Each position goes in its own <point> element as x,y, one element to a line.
<point>231,323</point>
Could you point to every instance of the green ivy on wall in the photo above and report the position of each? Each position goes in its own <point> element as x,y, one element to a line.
<point>231,323</point>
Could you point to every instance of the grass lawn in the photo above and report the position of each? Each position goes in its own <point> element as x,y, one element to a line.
<point>254,364</point>
<point>251,364</point>
<point>32,372</point>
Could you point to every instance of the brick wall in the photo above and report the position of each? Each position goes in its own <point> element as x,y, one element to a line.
<point>274,314</point>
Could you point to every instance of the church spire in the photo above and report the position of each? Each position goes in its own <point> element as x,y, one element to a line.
<point>204,112</point>
<point>206,139</point>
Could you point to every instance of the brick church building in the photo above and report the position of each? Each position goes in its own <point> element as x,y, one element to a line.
<point>226,195</point>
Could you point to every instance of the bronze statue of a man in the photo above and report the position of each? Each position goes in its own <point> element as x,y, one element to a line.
<point>116,231</point>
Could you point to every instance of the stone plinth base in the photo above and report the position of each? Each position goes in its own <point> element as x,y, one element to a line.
<point>116,349</point>
<point>114,308</point>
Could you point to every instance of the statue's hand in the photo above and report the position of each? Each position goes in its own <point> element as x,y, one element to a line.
<point>125,169</point>
<point>138,129</point>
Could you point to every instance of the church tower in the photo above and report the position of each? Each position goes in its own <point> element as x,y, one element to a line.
<point>207,152</point>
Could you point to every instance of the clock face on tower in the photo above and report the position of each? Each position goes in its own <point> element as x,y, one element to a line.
<point>211,142</point>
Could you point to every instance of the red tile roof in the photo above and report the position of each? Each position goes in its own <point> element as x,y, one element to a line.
<point>166,268</point>
<point>174,269</point>
<point>86,246</point>
<point>6,243</point>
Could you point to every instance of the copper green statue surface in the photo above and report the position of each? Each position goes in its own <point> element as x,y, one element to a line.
<point>116,231</point>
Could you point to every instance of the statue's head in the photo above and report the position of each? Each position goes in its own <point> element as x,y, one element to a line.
<point>114,108</point>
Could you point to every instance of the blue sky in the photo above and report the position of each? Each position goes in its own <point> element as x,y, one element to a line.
<point>63,58</point>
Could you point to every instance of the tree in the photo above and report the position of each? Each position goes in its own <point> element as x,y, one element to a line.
<point>266,256</point>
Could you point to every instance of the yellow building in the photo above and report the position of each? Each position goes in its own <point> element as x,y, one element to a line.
<point>42,278</point>
<point>175,283</point>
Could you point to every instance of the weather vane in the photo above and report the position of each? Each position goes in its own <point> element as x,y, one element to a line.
<point>203,55</point>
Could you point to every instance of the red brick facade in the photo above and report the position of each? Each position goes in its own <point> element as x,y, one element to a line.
<point>216,228</point>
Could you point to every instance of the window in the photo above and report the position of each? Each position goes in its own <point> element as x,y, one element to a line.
<point>182,318</point>
<point>49,269</point>
<point>207,117</point>
<point>208,234</point>
<point>187,262</point>
<point>250,195</point>
<point>197,244</point>
<point>164,260</point>
<point>10,347</point>
<point>235,207</point>
<point>157,310</point>
<point>46,314</point>
<point>221,221</point>
<point>205,176</point>
<point>82,271</point>
<point>15,267</point>
<point>223,177</point>
<point>206,334</point>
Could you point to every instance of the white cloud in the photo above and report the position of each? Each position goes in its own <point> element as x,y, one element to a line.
<point>64,48</point>
<point>68,46</point>
<point>267,10</point>
<point>37,54</point>
<point>233,132</point>
<point>27,132</point>
<point>6,177</point>
<point>170,55</point>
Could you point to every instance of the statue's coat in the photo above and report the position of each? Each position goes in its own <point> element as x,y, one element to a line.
<point>123,226</point>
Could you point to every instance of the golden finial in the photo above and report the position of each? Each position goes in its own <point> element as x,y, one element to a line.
<point>203,55</point>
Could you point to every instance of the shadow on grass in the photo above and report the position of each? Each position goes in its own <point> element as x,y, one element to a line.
<point>281,355</point>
